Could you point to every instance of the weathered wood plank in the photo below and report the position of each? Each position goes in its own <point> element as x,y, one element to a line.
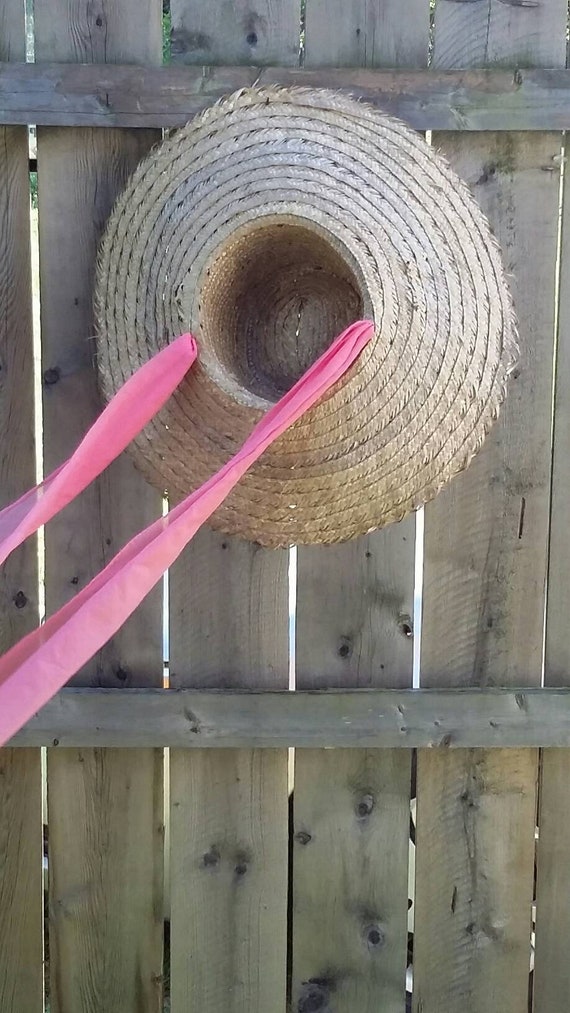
<point>509,32</point>
<point>97,95</point>
<point>355,608</point>
<point>228,811</point>
<point>78,178</point>
<point>486,534</point>
<point>357,33</point>
<point>552,972</point>
<point>391,719</point>
<point>228,607</point>
<point>105,809</point>
<point>21,900</point>
<point>551,967</point>
<point>351,948</point>
<point>106,880</point>
<point>353,602</point>
<point>485,552</point>
<point>476,808</point>
<point>557,647</point>
<point>21,881</point>
<point>354,628</point>
<point>228,868</point>
<point>235,32</point>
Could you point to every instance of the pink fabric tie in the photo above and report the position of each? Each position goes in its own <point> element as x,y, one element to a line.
<point>133,406</point>
<point>40,664</point>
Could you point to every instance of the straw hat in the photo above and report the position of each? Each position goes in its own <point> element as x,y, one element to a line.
<point>265,227</point>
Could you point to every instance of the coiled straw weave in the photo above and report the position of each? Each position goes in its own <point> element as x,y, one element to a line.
<point>266,226</point>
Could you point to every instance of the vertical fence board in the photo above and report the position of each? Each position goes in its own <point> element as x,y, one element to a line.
<point>355,612</point>
<point>229,866</point>
<point>238,31</point>
<point>354,622</point>
<point>358,33</point>
<point>104,807</point>
<point>491,32</point>
<point>551,966</point>
<point>352,815</point>
<point>552,969</point>
<point>485,565</point>
<point>474,864</point>
<point>21,903</point>
<point>486,534</point>
<point>229,810</point>
<point>352,808</point>
<point>229,621</point>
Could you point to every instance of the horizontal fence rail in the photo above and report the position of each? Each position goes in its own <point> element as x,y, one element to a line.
<point>105,95</point>
<point>305,719</point>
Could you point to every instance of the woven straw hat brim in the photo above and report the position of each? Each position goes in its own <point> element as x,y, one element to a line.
<point>265,227</point>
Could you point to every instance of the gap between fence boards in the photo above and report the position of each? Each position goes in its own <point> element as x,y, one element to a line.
<point>465,718</point>
<point>115,95</point>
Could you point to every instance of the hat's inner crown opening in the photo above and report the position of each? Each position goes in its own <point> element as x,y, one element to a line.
<point>272,301</point>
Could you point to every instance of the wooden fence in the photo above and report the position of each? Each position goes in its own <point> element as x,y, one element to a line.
<point>300,902</point>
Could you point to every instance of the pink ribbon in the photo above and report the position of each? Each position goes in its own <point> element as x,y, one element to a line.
<point>132,407</point>
<point>40,664</point>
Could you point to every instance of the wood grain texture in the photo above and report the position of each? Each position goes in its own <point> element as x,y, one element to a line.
<point>105,32</point>
<point>105,809</point>
<point>551,967</point>
<point>486,534</point>
<point>18,578</point>
<point>229,607</point>
<point>80,174</point>
<point>381,718</point>
<point>21,898</point>
<point>229,813</point>
<point>365,33</point>
<point>354,628</point>
<point>106,869</point>
<point>500,32</point>
<point>12,31</point>
<point>485,561</point>
<point>228,614</point>
<point>557,647</point>
<point>21,901</point>
<point>350,880</point>
<point>105,95</point>
<point>355,612</point>
<point>228,867</point>
<point>363,801</point>
<point>552,973</point>
<point>236,31</point>
<point>475,808</point>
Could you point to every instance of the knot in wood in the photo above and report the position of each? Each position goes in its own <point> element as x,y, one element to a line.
<point>211,858</point>
<point>364,806</point>
<point>51,376</point>
<point>345,647</point>
<point>314,997</point>
<point>303,837</point>
<point>375,937</point>
<point>406,626</point>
